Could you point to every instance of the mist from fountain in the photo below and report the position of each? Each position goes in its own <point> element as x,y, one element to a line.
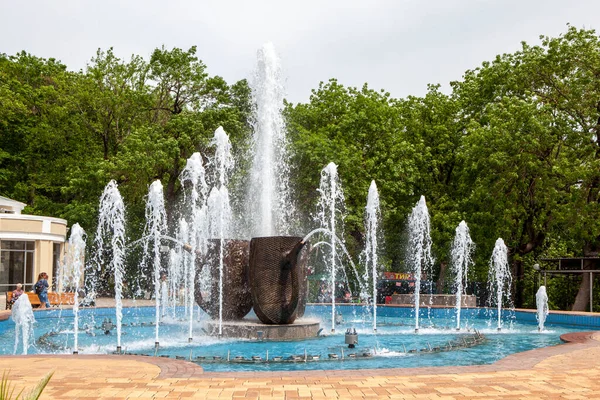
<point>330,209</point>
<point>419,258</point>
<point>73,268</point>
<point>155,229</point>
<point>541,301</point>
<point>110,237</point>
<point>270,208</point>
<point>22,316</point>
<point>369,254</point>
<point>499,279</point>
<point>461,258</point>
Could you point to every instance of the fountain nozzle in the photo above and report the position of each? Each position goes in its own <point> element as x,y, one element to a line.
<point>351,338</point>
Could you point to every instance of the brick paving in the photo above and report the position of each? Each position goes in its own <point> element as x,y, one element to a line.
<point>568,371</point>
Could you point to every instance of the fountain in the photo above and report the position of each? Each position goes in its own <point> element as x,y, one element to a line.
<point>73,269</point>
<point>22,315</point>
<point>230,266</point>
<point>499,279</point>
<point>372,215</point>
<point>270,208</point>
<point>330,208</point>
<point>219,209</point>
<point>541,300</point>
<point>155,229</point>
<point>419,257</point>
<point>194,174</point>
<point>111,227</point>
<point>461,260</point>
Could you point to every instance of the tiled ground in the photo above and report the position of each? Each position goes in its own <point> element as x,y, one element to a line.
<point>569,371</point>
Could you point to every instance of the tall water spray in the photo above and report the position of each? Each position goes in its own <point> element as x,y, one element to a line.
<point>219,209</point>
<point>499,278</point>
<point>330,208</point>
<point>541,300</point>
<point>110,241</point>
<point>22,316</point>
<point>419,258</point>
<point>269,202</point>
<point>370,257</point>
<point>155,229</point>
<point>73,267</point>
<point>461,259</point>
<point>194,175</point>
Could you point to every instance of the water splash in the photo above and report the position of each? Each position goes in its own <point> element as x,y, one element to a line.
<point>330,209</point>
<point>461,259</point>
<point>369,255</point>
<point>419,258</point>
<point>155,229</point>
<point>73,267</point>
<point>110,237</point>
<point>22,316</point>
<point>541,301</point>
<point>499,279</point>
<point>270,207</point>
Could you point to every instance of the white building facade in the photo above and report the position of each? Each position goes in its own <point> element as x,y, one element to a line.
<point>29,245</point>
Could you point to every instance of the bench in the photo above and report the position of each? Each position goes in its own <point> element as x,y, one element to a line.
<point>54,298</point>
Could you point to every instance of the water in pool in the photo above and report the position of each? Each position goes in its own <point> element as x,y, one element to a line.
<point>395,345</point>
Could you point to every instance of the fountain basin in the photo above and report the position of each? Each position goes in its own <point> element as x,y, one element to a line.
<point>255,329</point>
<point>395,345</point>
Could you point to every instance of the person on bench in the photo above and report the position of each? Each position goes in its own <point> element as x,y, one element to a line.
<point>41,289</point>
<point>15,294</point>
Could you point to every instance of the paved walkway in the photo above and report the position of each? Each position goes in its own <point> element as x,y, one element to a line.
<point>568,371</point>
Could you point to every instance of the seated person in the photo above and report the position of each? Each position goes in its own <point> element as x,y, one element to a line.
<point>15,294</point>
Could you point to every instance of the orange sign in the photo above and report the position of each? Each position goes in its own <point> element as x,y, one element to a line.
<point>398,276</point>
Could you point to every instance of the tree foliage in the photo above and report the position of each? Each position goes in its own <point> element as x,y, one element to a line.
<point>513,149</point>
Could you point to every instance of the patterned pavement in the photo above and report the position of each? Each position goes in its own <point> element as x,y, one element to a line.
<point>567,371</point>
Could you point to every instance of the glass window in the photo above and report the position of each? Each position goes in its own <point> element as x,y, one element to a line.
<point>12,245</point>
<point>16,264</point>
<point>55,264</point>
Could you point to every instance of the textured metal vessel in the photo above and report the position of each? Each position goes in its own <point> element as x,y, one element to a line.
<point>237,300</point>
<point>277,276</point>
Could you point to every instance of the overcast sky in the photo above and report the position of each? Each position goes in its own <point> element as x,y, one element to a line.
<point>400,45</point>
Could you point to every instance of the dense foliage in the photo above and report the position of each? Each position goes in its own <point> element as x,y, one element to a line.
<point>513,150</point>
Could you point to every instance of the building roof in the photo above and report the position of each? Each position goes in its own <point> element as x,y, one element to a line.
<point>11,206</point>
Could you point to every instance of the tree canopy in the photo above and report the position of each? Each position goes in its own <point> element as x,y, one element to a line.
<point>513,148</point>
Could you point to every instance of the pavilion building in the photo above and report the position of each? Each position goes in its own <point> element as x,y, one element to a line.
<point>29,244</point>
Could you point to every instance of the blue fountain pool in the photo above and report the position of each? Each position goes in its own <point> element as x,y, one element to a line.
<point>395,345</point>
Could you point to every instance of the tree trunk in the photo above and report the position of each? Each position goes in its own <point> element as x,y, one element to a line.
<point>519,285</point>
<point>582,301</point>
<point>441,282</point>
